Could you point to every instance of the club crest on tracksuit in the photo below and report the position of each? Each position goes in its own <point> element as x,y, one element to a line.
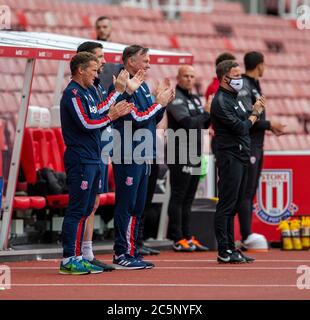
<point>84,185</point>
<point>129,181</point>
<point>275,196</point>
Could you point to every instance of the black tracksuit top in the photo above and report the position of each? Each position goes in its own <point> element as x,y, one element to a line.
<point>250,92</point>
<point>231,125</point>
<point>187,112</point>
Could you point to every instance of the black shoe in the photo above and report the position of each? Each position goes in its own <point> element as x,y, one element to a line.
<point>229,256</point>
<point>152,251</point>
<point>247,258</point>
<point>144,251</point>
<point>104,266</point>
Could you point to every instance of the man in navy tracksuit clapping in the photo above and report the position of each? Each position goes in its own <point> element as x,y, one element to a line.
<point>82,117</point>
<point>131,161</point>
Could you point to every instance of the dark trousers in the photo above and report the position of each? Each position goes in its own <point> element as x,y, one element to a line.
<point>183,188</point>
<point>148,204</point>
<point>232,174</point>
<point>246,207</point>
<point>83,185</point>
<point>130,195</point>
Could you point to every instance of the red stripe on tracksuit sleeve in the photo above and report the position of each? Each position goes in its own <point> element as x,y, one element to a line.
<point>105,102</point>
<point>146,112</point>
<point>85,116</point>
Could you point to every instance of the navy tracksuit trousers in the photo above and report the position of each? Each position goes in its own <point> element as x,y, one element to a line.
<point>131,182</point>
<point>83,184</point>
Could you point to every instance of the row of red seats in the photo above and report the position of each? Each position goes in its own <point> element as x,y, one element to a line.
<point>91,8</point>
<point>288,142</point>
<point>19,202</point>
<point>263,32</point>
<point>44,148</point>
<point>243,19</point>
<point>282,89</point>
<point>287,74</point>
<point>299,107</point>
<point>40,83</point>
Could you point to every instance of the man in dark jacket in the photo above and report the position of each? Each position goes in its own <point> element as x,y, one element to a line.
<point>132,168</point>
<point>185,113</point>
<point>251,91</point>
<point>83,114</point>
<point>231,124</point>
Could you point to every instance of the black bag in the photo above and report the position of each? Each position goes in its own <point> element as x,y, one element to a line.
<point>49,182</point>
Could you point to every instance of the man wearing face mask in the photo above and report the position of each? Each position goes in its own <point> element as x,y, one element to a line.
<point>251,91</point>
<point>231,124</point>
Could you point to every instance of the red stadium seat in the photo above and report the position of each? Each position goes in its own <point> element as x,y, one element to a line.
<point>40,150</point>
<point>26,202</point>
<point>111,178</point>
<point>57,201</point>
<point>44,148</point>
<point>21,203</point>
<point>110,198</point>
<point>60,141</point>
<point>107,199</point>
<point>53,158</point>
<point>37,202</point>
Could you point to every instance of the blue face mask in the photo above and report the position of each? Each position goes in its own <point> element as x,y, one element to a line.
<point>235,84</point>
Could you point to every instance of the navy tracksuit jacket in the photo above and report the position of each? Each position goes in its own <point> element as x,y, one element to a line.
<point>131,174</point>
<point>83,115</point>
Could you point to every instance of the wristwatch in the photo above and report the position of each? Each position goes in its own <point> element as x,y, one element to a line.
<point>256,114</point>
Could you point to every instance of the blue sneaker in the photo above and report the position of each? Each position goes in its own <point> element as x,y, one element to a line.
<point>74,266</point>
<point>126,261</point>
<point>148,264</point>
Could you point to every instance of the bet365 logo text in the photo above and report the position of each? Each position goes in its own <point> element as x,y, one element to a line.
<point>5,277</point>
<point>303,17</point>
<point>303,281</point>
<point>5,18</point>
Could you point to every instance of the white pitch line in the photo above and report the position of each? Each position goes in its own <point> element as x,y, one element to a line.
<point>203,260</point>
<point>176,268</point>
<point>150,285</point>
<point>214,260</point>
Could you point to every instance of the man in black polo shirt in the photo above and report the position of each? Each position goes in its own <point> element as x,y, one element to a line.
<point>251,91</point>
<point>231,124</point>
<point>186,114</point>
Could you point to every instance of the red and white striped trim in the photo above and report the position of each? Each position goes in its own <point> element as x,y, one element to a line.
<point>108,102</point>
<point>130,236</point>
<point>86,121</point>
<point>148,113</point>
<point>78,237</point>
